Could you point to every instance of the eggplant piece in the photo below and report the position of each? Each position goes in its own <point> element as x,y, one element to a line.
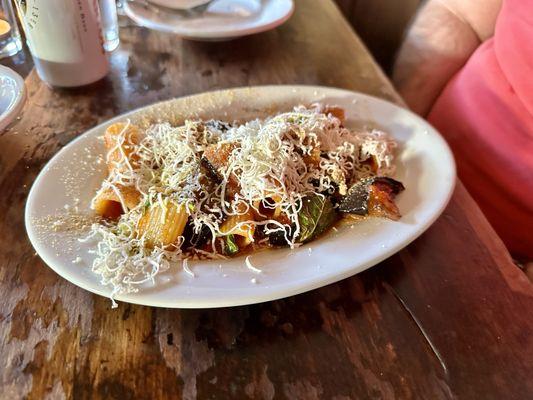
<point>215,159</point>
<point>209,170</point>
<point>356,200</point>
<point>373,196</point>
<point>218,154</point>
<point>389,185</point>
<point>277,238</point>
<point>336,111</point>
<point>196,240</point>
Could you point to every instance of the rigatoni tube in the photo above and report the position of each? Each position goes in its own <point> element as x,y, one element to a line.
<point>162,224</point>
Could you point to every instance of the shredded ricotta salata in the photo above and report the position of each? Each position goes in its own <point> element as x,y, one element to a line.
<point>271,165</point>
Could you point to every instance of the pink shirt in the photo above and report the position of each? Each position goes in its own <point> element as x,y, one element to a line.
<point>486,114</point>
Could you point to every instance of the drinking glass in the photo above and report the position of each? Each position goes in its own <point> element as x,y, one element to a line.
<point>108,16</point>
<point>10,43</point>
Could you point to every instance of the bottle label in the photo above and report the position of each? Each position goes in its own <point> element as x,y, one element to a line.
<point>62,31</point>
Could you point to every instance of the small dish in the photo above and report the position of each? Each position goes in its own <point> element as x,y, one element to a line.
<point>221,20</point>
<point>12,96</point>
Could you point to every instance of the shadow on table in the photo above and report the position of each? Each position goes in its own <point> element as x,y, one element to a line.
<point>355,301</point>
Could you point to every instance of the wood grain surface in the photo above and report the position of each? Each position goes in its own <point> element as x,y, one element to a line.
<point>448,317</point>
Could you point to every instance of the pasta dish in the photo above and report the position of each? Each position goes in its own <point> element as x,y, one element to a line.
<point>215,189</point>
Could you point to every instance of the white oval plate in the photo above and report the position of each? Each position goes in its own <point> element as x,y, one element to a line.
<point>12,95</point>
<point>425,166</point>
<point>223,19</point>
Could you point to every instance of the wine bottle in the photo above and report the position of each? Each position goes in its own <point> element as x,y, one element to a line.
<point>65,40</point>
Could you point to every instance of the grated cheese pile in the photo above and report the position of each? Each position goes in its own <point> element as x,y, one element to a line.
<point>284,157</point>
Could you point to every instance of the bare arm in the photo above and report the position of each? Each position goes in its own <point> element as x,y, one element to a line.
<point>443,36</point>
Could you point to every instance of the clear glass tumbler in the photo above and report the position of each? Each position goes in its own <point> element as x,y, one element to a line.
<point>108,16</point>
<point>10,43</point>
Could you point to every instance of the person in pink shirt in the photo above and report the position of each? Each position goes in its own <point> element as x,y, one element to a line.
<point>467,66</point>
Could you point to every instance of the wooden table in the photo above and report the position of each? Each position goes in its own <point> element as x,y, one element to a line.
<point>450,316</point>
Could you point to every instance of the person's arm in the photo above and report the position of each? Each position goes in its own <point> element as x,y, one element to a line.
<point>443,36</point>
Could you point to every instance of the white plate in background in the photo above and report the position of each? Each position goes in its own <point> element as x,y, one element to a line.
<point>223,19</point>
<point>12,95</point>
<point>425,166</point>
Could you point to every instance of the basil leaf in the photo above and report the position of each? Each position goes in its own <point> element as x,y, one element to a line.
<point>317,215</point>
<point>231,247</point>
